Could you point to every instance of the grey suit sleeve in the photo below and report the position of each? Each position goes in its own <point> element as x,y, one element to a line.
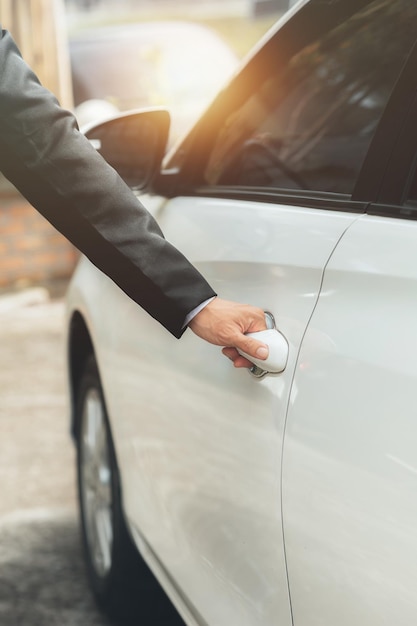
<point>64,178</point>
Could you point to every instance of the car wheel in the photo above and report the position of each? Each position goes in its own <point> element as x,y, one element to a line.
<point>122,583</point>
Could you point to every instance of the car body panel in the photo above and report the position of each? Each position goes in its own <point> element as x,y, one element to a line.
<point>289,499</point>
<point>186,481</point>
<point>350,469</point>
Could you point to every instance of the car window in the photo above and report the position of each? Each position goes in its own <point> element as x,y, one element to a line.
<point>409,185</point>
<point>309,126</point>
<point>412,192</point>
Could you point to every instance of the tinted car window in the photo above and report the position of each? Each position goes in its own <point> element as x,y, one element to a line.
<point>412,193</point>
<point>411,190</point>
<point>310,126</point>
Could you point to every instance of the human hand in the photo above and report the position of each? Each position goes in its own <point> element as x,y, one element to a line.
<point>224,323</point>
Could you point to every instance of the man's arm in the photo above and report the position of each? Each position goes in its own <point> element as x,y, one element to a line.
<point>61,174</point>
<point>53,165</point>
<point>225,323</point>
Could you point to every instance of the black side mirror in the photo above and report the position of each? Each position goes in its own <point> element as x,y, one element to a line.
<point>133,143</point>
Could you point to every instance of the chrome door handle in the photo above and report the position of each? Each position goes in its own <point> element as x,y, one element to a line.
<point>278,350</point>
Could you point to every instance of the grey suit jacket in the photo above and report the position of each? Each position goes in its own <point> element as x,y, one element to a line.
<point>51,163</point>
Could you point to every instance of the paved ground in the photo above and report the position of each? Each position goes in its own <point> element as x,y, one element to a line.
<point>42,577</point>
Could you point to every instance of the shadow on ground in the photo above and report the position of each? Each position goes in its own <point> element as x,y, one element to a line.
<point>42,576</point>
<point>43,579</point>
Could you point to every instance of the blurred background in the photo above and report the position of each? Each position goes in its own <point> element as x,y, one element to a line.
<point>102,56</point>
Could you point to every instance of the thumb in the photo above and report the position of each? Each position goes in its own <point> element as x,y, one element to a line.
<point>252,347</point>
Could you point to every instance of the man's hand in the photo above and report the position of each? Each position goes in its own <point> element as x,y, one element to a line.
<point>225,323</point>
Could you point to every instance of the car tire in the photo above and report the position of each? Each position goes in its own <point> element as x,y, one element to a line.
<point>124,587</point>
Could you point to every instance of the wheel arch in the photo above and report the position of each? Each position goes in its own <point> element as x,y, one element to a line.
<point>80,347</point>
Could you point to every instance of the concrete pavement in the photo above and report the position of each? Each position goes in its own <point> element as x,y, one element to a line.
<point>42,577</point>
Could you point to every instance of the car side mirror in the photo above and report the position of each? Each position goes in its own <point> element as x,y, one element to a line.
<point>133,143</point>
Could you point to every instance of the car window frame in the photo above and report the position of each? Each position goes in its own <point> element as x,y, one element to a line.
<point>387,163</point>
<point>401,167</point>
<point>370,177</point>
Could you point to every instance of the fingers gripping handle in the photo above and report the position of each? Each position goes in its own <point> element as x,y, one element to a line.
<point>278,348</point>
<point>278,351</point>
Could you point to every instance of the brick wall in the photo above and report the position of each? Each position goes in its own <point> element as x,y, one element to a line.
<point>31,250</point>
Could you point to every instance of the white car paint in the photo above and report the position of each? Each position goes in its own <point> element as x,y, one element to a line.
<point>287,500</point>
<point>197,472</point>
<point>350,467</point>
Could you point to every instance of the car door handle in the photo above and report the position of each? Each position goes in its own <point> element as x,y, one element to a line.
<point>278,350</point>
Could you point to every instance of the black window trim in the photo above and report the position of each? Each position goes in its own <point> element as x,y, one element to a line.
<point>315,200</point>
<point>401,165</point>
<point>398,211</point>
<point>376,171</point>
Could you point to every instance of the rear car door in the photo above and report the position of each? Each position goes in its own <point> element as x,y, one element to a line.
<point>263,196</point>
<point>350,461</point>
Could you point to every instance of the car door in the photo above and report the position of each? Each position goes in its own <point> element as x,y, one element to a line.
<point>199,442</point>
<point>350,461</point>
<point>259,211</point>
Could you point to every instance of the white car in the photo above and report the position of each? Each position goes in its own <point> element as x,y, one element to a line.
<point>285,498</point>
